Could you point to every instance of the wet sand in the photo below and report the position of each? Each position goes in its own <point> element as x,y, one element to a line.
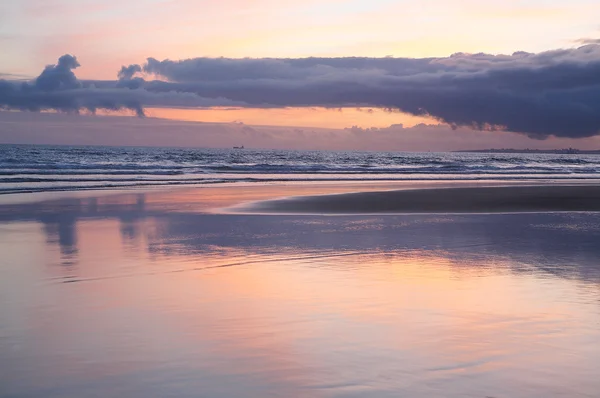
<point>506,199</point>
<point>156,294</point>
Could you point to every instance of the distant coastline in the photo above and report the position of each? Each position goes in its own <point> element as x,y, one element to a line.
<point>527,150</point>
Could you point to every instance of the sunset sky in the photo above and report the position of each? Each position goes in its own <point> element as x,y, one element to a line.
<point>530,67</point>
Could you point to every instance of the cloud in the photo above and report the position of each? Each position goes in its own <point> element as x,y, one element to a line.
<point>127,72</point>
<point>59,76</point>
<point>13,76</point>
<point>553,93</point>
<point>57,88</point>
<point>587,41</point>
<point>550,93</point>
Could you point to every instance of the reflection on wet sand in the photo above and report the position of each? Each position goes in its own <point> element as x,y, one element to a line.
<point>185,303</point>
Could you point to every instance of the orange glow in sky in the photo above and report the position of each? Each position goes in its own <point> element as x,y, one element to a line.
<point>301,117</point>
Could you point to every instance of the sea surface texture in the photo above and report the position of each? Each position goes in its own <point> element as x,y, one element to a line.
<point>47,168</point>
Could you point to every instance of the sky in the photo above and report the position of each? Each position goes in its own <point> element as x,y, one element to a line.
<point>511,72</point>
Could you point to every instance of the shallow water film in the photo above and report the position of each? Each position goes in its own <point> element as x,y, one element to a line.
<point>125,297</point>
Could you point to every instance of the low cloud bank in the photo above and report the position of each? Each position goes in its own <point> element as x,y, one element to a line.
<point>553,93</point>
<point>57,88</point>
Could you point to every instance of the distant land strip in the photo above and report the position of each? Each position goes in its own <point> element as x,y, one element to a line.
<point>568,151</point>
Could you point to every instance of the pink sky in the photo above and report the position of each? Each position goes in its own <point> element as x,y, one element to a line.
<point>107,34</point>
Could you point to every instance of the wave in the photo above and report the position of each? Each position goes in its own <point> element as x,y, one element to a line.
<point>39,168</point>
<point>85,167</point>
<point>193,182</point>
<point>90,172</point>
<point>287,169</point>
<point>14,176</point>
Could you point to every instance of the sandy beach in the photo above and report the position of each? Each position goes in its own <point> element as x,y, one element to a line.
<point>152,293</point>
<point>498,199</point>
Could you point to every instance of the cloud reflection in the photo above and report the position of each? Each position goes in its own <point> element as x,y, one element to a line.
<point>301,305</point>
<point>557,244</point>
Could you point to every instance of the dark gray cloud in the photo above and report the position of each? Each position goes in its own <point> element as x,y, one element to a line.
<point>57,88</point>
<point>127,72</point>
<point>59,76</point>
<point>550,93</point>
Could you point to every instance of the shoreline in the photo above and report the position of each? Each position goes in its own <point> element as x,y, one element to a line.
<point>487,199</point>
<point>296,188</point>
<point>360,197</point>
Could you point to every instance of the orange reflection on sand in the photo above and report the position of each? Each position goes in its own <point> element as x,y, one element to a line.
<point>155,288</point>
<point>425,306</point>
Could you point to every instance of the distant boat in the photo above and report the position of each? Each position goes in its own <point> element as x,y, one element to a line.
<point>238,147</point>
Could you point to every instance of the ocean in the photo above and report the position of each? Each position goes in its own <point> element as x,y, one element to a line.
<point>27,168</point>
